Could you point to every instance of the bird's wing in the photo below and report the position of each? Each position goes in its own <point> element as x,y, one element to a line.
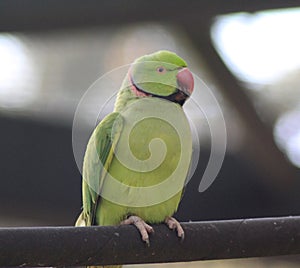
<point>97,160</point>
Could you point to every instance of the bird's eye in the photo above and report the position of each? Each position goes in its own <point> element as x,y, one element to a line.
<point>161,69</point>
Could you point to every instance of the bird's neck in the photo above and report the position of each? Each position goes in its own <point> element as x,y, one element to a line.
<point>125,95</point>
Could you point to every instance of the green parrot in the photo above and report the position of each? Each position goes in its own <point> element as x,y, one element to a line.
<point>138,157</point>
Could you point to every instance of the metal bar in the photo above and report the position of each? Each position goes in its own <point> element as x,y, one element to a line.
<point>75,246</point>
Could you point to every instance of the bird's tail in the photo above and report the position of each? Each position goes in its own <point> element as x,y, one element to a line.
<point>80,222</point>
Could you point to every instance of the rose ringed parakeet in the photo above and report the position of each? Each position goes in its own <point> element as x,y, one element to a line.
<point>138,157</point>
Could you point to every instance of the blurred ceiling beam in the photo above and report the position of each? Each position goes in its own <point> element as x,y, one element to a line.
<point>29,15</point>
<point>261,146</point>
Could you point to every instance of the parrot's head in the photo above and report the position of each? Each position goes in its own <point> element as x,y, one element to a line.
<point>162,74</point>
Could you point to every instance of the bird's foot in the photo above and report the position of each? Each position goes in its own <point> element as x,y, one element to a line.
<point>173,224</point>
<point>144,228</point>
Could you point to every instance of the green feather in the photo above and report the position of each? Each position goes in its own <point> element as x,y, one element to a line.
<point>98,156</point>
<point>163,56</point>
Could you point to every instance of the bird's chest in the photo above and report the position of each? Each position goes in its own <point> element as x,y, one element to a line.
<point>152,157</point>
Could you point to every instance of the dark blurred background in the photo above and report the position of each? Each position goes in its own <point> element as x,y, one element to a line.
<point>247,52</point>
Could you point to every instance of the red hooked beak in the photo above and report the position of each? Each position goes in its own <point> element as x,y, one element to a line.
<point>185,81</point>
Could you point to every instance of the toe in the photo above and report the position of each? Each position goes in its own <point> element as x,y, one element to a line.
<point>148,228</point>
<point>144,228</point>
<point>174,224</point>
<point>180,233</point>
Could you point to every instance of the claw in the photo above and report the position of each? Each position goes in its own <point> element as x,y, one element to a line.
<point>173,224</point>
<point>144,228</point>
